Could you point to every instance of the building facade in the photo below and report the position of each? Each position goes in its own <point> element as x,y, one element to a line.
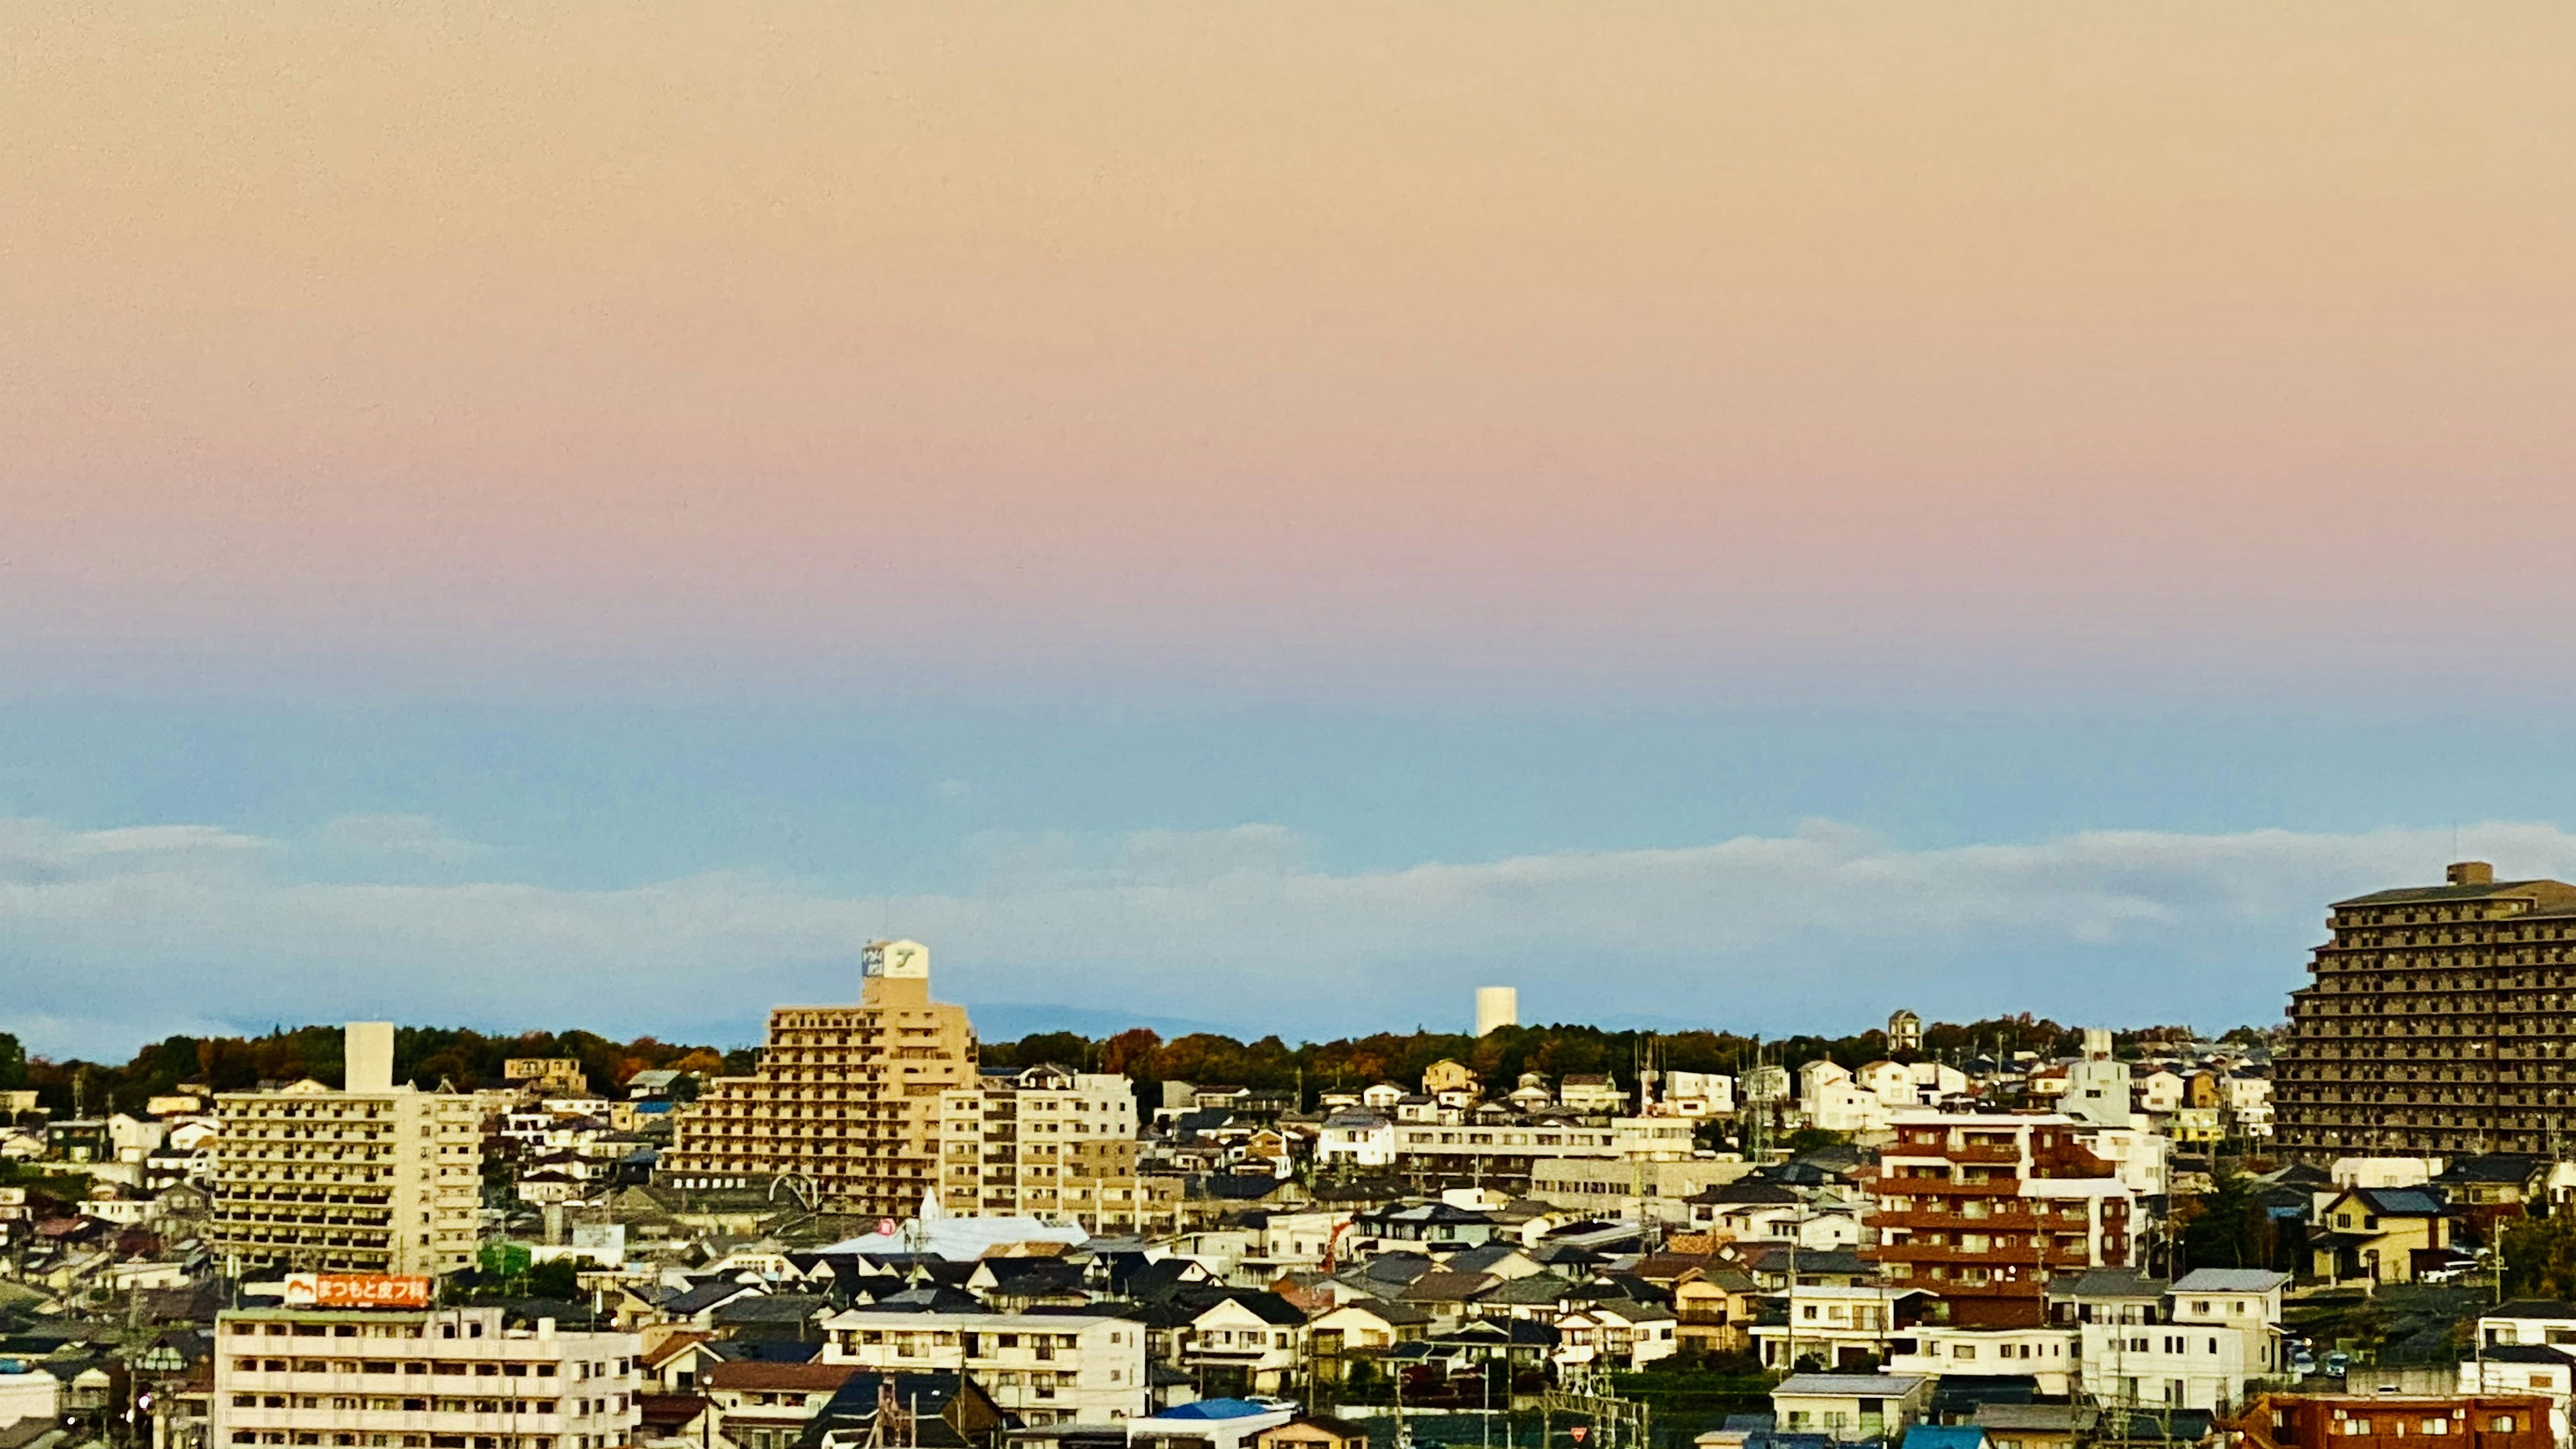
<point>1045,1367</point>
<point>1045,1143</point>
<point>2437,1020</point>
<point>1984,1209</point>
<point>450,1378</point>
<point>845,1103</point>
<point>369,1179</point>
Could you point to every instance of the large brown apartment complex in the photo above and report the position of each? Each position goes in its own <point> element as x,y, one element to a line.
<point>2440,1020</point>
<point>1983,1209</point>
<point>845,1104</point>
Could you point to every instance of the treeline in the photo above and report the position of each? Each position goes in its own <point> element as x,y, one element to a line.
<point>425,1056</point>
<point>1499,1058</point>
<point>429,1056</point>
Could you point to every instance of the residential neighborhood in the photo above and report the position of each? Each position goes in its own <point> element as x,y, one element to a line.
<point>874,1225</point>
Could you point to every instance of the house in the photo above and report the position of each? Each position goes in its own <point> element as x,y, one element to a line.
<point>1715,1308</point>
<point>1839,1327</point>
<point>761,1405</point>
<point>2036,1426</point>
<point>1356,1137</point>
<point>1615,1335</point>
<point>1447,1076</point>
<point>1312,1431</point>
<point>1591,1093</point>
<point>1207,1424</point>
<point>1362,1327</point>
<point>919,1410</point>
<point>2160,1090</point>
<point>1245,1343</point>
<point>2048,1357</point>
<point>2526,1346</point>
<point>1890,1082</point>
<point>1848,1408</point>
<point>2196,1345</point>
<point>2376,1233</point>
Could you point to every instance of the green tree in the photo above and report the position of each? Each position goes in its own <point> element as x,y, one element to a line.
<point>2540,1258</point>
<point>13,1064</point>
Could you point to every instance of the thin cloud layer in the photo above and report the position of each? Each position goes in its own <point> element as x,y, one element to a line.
<point>179,927</point>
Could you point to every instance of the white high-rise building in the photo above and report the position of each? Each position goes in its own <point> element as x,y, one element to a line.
<point>1497,1006</point>
<point>372,1178</point>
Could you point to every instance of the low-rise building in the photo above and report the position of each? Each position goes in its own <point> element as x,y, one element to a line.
<point>1045,1367</point>
<point>1849,1408</point>
<point>446,1378</point>
<point>2377,1234</point>
<point>2390,1421</point>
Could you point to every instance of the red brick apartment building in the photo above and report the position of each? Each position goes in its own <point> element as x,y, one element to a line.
<point>1983,1209</point>
<point>2376,1421</point>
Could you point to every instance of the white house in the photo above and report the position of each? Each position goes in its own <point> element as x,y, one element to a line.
<point>1615,1335</point>
<point>2160,1091</point>
<point>1849,1407</point>
<point>1890,1082</point>
<point>2526,1347</point>
<point>2047,1355</point>
<point>1356,1137</point>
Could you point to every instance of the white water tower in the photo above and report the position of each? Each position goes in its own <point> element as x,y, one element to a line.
<point>1497,1006</point>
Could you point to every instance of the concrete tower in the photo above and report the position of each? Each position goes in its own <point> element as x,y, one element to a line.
<point>1497,1006</point>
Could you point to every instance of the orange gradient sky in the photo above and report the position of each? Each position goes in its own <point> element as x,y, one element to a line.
<point>1629,339</point>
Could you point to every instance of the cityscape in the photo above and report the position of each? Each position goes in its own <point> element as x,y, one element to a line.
<point>1374,724</point>
<point>875,1228</point>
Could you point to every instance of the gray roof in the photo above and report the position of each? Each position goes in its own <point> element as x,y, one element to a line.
<point>2229,1280</point>
<point>2531,1308</point>
<point>2107,1283</point>
<point>1870,1386</point>
<point>2035,1416</point>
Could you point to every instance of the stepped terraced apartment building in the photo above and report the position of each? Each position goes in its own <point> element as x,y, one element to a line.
<point>846,1101</point>
<point>2440,1020</point>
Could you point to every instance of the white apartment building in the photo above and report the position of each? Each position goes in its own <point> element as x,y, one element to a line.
<point>2216,1330</point>
<point>373,1178</point>
<point>1048,1368</point>
<point>451,1378</point>
<point>1503,1155</point>
<point>1044,1143</point>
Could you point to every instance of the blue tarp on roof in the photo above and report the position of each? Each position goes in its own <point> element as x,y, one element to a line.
<point>1216,1409</point>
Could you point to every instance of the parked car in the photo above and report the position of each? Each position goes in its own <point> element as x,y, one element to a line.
<point>2338,1364</point>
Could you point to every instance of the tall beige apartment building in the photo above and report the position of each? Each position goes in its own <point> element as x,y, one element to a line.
<point>2439,1020</point>
<point>846,1101</point>
<point>1049,1143</point>
<point>372,1178</point>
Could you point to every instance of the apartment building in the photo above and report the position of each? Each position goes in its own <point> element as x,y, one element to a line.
<point>1045,1143</point>
<point>451,1378</point>
<point>372,1178</point>
<point>845,1104</point>
<point>1503,1154</point>
<point>2438,1020</point>
<point>1047,1368</point>
<point>1984,1209</point>
<point>2196,1343</point>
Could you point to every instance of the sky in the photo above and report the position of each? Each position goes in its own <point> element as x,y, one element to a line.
<point>1737,515</point>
